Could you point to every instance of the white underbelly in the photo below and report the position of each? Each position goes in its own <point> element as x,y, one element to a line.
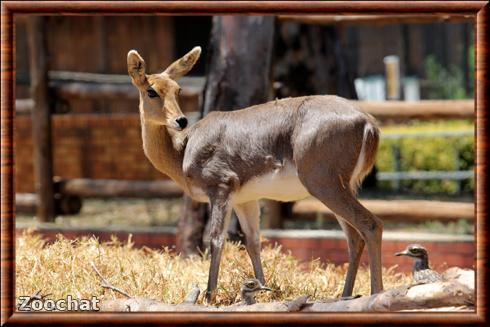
<point>280,185</point>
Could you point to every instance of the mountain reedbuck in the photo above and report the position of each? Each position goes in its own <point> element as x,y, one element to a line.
<point>283,150</point>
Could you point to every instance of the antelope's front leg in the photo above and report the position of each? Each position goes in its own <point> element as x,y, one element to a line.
<point>220,218</point>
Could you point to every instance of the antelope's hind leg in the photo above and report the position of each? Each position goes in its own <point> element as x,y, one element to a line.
<point>249,217</point>
<point>342,202</point>
<point>355,245</point>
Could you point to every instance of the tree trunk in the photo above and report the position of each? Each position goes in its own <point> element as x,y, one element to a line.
<point>239,63</point>
<point>310,60</point>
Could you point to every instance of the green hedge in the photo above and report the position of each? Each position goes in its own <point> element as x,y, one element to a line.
<point>434,153</point>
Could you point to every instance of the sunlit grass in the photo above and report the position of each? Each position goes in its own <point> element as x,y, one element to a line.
<point>64,268</point>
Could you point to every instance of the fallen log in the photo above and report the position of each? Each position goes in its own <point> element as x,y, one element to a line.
<point>455,291</point>
<point>132,304</point>
<point>140,305</point>
<point>425,296</point>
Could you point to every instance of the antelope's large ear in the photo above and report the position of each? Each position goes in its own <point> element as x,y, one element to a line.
<point>183,65</point>
<point>136,68</point>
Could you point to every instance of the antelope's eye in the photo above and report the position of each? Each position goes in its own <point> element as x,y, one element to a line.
<point>152,93</point>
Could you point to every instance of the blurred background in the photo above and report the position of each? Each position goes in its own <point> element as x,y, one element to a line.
<point>81,170</point>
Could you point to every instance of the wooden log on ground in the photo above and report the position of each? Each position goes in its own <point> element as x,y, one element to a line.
<point>41,119</point>
<point>26,203</point>
<point>456,290</point>
<point>423,110</point>
<point>143,305</point>
<point>415,210</point>
<point>109,188</point>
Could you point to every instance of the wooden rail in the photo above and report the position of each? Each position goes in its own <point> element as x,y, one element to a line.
<point>383,110</point>
<point>424,110</point>
<point>410,210</point>
<point>90,86</point>
<point>108,91</point>
<point>24,106</point>
<point>26,203</point>
<point>109,188</point>
<point>397,209</point>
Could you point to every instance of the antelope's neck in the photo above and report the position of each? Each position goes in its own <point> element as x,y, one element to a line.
<point>160,149</point>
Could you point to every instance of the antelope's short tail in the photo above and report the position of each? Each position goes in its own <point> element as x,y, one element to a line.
<point>367,155</point>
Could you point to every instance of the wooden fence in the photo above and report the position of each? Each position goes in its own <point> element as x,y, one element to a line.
<point>98,86</point>
<point>389,111</point>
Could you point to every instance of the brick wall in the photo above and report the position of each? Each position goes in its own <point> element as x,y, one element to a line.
<point>94,146</point>
<point>441,253</point>
<point>444,251</point>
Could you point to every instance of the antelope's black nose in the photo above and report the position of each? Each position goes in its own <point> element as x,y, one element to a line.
<point>182,121</point>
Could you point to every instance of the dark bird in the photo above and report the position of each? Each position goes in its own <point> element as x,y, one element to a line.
<point>248,290</point>
<point>422,274</point>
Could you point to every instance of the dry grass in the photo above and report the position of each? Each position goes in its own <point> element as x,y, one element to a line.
<point>63,267</point>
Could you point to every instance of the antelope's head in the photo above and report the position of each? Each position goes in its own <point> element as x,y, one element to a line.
<point>159,92</point>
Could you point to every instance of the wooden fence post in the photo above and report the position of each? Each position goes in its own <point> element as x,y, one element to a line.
<point>41,119</point>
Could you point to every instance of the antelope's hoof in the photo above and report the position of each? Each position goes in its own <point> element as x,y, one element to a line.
<point>210,297</point>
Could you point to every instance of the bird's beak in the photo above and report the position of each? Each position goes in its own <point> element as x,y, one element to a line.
<point>263,288</point>
<point>401,253</point>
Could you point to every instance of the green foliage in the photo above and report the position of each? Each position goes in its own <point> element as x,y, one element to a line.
<point>443,83</point>
<point>435,153</point>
